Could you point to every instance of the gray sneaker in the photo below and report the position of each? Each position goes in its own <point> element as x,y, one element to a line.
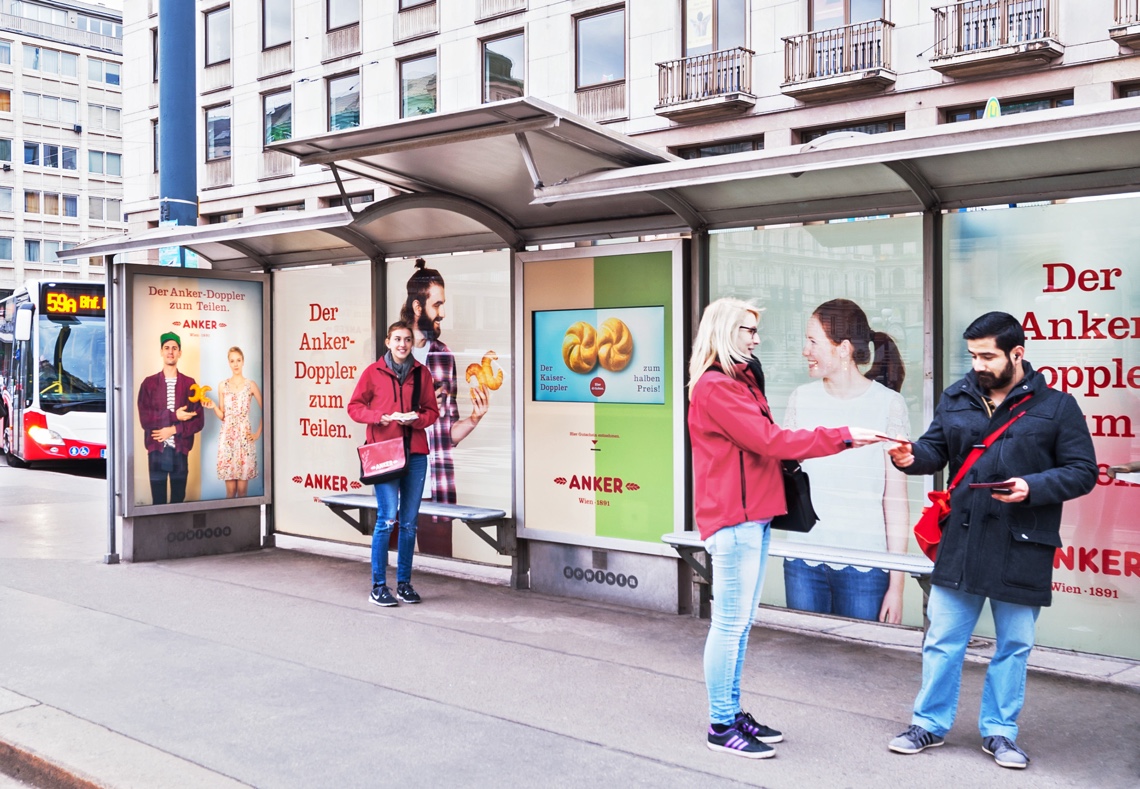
<point>1005,752</point>
<point>915,739</point>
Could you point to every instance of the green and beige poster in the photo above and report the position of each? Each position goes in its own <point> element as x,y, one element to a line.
<point>599,397</point>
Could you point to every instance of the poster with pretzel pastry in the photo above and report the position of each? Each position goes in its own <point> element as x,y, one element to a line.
<point>613,355</point>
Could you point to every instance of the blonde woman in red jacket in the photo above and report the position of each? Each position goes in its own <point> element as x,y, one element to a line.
<point>738,488</point>
<point>383,401</point>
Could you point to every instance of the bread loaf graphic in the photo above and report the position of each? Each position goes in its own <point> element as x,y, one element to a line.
<point>615,345</point>
<point>580,347</point>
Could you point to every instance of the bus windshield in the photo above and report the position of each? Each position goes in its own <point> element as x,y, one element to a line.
<point>72,364</point>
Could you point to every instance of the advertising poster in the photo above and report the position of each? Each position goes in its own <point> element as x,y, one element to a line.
<point>322,340</point>
<point>1071,274</point>
<point>600,356</point>
<point>596,466</point>
<point>459,308</point>
<point>198,398</point>
<point>841,342</point>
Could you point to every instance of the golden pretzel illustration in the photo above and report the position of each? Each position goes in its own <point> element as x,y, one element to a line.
<point>198,393</point>
<point>580,347</point>
<point>483,374</point>
<point>615,345</point>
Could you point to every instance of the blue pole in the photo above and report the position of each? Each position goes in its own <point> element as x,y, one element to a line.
<point>177,122</point>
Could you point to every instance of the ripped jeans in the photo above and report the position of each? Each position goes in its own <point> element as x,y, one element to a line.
<point>398,501</point>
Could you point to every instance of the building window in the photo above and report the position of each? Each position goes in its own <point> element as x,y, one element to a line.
<point>278,114</point>
<point>154,143</point>
<point>342,13</point>
<point>721,148</point>
<point>217,219</point>
<point>601,48</point>
<point>344,102</point>
<point>6,199</point>
<point>866,127</point>
<point>70,158</point>
<point>277,23</point>
<point>283,208</point>
<point>358,199</point>
<point>153,54</point>
<point>504,67</point>
<point>713,26</point>
<point>31,202</point>
<point>32,153</point>
<point>1010,108</point>
<point>406,4</point>
<point>828,14</point>
<point>32,251</point>
<point>104,118</point>
<point>6,52</point>
<point>105,209</point>
<point>1128,91</point>
<point>5,150</point>
<point>71,205</point>
<point>51,203</point>
<point>418,86</point>
<point>108,73</point>
<point>50,61</point>
<point>51,155</point>
<point>102,163</point>
<point>5,249</point>
<point>218,133</point>
<point>102,27</point>
<point>51,108</point>
<point>218,36</point>
<point>5,100</point>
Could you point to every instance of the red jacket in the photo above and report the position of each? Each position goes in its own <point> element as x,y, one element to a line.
<point>737,451</point>
<point>378,392</point>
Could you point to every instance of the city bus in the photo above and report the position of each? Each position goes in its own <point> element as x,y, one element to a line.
<point>53,372</point>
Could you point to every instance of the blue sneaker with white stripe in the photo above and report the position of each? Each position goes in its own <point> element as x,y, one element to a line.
<point>739,743</point>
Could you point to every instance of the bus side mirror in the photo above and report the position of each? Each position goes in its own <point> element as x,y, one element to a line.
<point>23,331</point>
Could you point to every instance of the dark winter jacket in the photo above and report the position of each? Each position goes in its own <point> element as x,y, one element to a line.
<point>990,548</point>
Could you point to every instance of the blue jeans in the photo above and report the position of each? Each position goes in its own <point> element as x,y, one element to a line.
<point>739,555</point>
<point>398,501</point>
<point>846,591</point>
<point>953,615</point>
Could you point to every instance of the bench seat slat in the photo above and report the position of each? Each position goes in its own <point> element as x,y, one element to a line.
<point>690,541</point>
<point>433,508</point>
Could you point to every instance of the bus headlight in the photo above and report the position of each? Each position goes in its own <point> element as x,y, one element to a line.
<point>45,437</point>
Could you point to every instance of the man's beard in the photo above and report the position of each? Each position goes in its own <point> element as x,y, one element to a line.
<point>428,327</point>
<point>990,382</point>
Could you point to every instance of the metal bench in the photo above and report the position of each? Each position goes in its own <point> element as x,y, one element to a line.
<point>691,548</point>
<point>492,526</point>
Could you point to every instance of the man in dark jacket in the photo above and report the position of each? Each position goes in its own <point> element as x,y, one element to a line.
<point>997,543</point>
<point>169,421</point>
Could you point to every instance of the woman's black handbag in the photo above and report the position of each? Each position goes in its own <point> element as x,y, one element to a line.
<point>797,493</point>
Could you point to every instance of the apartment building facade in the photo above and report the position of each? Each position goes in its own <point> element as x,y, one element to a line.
<point>695,77</point>
<point>60,136</point>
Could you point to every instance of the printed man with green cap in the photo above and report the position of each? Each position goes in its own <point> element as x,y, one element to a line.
<point>169,421</point>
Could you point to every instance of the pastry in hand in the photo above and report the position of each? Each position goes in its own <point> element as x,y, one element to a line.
<point>615,345</point>
<point>483,373</point>
<point>580,347</point>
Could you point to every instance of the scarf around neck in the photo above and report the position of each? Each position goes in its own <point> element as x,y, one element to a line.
<point>401,370</point>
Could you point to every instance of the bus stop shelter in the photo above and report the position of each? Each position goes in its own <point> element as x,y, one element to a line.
<point>527,177</point>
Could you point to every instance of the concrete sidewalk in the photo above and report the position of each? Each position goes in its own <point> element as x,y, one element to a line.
<point>271,669</point>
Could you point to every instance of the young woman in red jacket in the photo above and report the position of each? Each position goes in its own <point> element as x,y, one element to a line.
<point>738,488</point>
<point>383,401</point>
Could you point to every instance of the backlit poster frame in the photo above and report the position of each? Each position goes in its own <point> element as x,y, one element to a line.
<point>206,313</point>
<point>591,476</point>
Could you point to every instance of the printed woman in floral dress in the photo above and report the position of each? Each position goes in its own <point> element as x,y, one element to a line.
<point>237,444</point>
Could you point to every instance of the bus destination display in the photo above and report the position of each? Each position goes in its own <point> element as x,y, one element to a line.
<point>62,300</point>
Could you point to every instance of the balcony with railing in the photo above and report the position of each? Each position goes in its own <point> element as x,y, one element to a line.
<point>981,37</point>
<point>700,86</point>
<point>64,35</point>
<point>840,62</point>
<point>1126,30</point>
